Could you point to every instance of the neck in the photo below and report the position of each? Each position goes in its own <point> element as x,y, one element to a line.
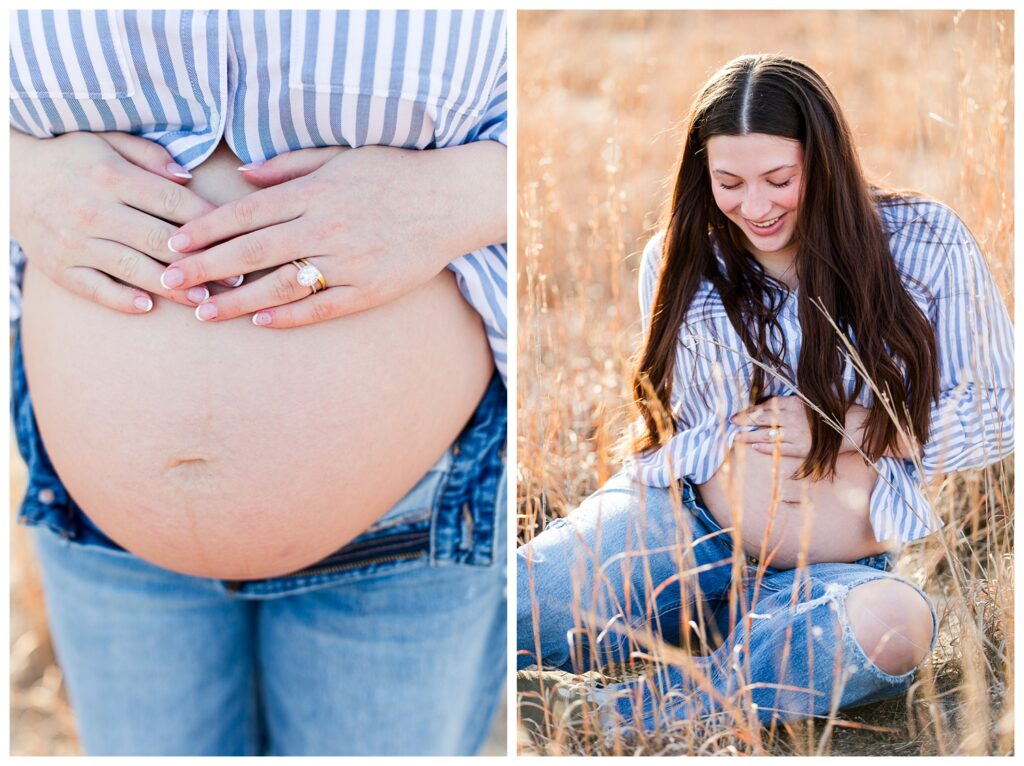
<point>781,269</point>
<point>780,265</point>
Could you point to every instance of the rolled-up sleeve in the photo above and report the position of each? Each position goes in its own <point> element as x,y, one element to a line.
<point>972,421</point>
<point>482,275</point>
<point>493,124</point>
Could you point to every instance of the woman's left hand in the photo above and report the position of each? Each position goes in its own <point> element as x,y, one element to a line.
<point>376,221</point>
<point>781,423</point>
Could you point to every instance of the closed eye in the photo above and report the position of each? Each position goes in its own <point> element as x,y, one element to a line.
<point>783,185</point>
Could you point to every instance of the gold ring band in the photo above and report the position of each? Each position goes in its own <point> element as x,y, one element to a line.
<point>309,275</point>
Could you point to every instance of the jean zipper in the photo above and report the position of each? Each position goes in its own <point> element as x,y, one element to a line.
<point>236,585</point>
<point>335,568</point>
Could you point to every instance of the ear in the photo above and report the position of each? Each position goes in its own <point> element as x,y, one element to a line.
<point>289,165</point>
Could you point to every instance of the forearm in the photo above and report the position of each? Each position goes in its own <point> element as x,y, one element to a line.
<point>856,418</point>
<point>467,186</point>
<point>23,147</point>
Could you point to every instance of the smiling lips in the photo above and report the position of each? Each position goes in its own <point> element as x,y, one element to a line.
<point>767,228</point>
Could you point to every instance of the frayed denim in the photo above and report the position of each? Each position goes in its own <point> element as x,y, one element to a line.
<point>634,567</point>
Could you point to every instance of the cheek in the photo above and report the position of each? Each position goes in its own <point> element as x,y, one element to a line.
<point>725,200</point>
<point>791,198</point>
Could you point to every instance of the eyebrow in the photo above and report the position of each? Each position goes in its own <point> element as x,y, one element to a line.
<point>719,171</point>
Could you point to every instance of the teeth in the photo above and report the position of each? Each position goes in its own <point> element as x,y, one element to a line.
<point>766,224</point>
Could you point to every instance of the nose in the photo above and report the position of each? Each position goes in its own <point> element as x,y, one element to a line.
<point>755,205</point>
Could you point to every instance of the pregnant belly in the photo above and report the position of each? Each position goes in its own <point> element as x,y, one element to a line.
<point>770,514</point>
<point>231,451</point>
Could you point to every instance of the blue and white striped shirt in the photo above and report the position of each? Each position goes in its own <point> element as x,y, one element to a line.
<point>971,423</point>
<point>269,82</point>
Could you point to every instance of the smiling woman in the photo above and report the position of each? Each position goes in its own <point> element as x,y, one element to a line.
<point>756,184</point>
<point>803,371</point>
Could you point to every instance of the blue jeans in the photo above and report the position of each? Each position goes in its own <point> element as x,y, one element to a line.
<point>394,644</point>
<point>633,566</point>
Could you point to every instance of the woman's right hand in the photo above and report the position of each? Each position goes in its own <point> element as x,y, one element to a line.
<point>94,211</point>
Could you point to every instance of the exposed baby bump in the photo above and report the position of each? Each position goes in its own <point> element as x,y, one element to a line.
<point>756,495</point>
<point>229,450</point>
<point>234,451</point>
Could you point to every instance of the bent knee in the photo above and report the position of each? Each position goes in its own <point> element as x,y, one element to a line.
<point>892,622</point>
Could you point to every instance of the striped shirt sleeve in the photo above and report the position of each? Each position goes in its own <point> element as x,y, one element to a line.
<point>17,259</point>
<point>972,421</point>
<point>493,125</point>
<point>482,275</point>
<point>650,263</point>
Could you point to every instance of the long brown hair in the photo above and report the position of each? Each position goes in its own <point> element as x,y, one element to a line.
<point>843,263</point>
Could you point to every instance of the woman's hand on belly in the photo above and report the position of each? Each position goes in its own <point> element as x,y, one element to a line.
<point>376,221</point>
<point>222,450</point>
<point>793,520</point>
<point>91,209</point>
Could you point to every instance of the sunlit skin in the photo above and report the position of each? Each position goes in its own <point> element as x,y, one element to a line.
<point>227,450</point>
<point>756,179</point>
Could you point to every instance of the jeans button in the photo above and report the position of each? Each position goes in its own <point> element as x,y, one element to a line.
<point>46,496</point>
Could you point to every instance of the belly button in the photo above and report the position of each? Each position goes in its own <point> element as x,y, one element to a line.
<point>190,470</point>
<point>180,461</point>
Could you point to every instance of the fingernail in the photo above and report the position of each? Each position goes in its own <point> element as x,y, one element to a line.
<point>177,170</point>
<point>197,294</point>
<point>178,242</point>
<point>251,165</point>
<point>261,318</point>
<point>172,277</point>
<point>206,311</point>
<point>234,281</point>
<point>143,303</point>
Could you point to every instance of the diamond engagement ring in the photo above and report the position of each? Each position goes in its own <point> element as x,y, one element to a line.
<point>773,432</point>
<point>309,275</point>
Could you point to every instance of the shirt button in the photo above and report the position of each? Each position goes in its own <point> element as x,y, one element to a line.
<point>46,496</point>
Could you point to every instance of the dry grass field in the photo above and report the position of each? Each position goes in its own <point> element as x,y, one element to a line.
<point>600,104</point>
<point>41,720</point>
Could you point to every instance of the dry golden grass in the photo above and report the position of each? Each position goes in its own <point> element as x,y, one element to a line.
<point>600,104</point>
<point>41,720</point>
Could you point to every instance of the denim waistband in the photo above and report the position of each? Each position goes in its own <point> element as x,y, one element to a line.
<point>458,524</point>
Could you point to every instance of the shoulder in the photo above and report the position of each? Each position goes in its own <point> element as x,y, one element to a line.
<point>650,261</point>
<point>925,237</point>
<point>906,218</point>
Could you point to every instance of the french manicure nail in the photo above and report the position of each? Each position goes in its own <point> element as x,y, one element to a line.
<point>251,165</point>
<point>172,278</point>
<point>177,170</point>
<point>206,311</point>
<point>143,303</point>
<point>261,318</point>
<point>178,242</point>
<point>235,281</point>
<point>197,294</point>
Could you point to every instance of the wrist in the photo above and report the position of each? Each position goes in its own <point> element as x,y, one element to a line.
<point>856,419</point>
<point>468,186</point>
<point>853,439</point>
